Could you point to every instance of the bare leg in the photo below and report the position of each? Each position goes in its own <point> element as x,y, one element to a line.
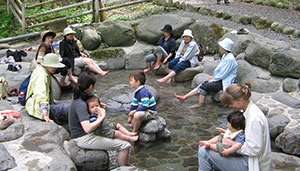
<point>149,67</point>
<point>122,136</point>
<point>167,77</point>
<point>213,147</point>
<point>125,131</point>
<point>200,103</point>
<point>94,67</point>
<point>123,158</point>
<point>129,121</point>
<point>71,77</point>
<point>137,122</point>
<point>188,95</point>
<point>158,61</point>
<point>63,81</point>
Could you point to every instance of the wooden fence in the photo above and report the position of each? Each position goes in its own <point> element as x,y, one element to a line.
<point>18,8</point>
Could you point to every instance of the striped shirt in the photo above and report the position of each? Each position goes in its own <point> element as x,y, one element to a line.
<point>143,100</point>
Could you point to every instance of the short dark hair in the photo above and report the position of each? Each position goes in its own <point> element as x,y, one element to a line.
<point>237,120</point>
<point>139,76</point>
<point>92,98</point>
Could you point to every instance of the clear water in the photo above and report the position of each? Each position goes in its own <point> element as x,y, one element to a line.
<point>187,126</point>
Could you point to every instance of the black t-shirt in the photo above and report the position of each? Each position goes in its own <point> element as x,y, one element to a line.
<point>78,113</point>
<point>69,49</point>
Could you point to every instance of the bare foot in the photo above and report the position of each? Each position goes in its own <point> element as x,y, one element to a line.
<point>180,98</point>
<point>72,79</point>
<point>157,66</point>
<point>132,133</point>
<point>161,80</point>
<point>129,124</point>
<point>206,144</point>
<point>147,70</point>
<point>133,138</point>
<point>65,83</point>
<point>196,106</point>
<point>169,81</point>
<point>105,73</point>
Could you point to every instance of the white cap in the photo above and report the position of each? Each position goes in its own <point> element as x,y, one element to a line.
<point>226,44</point>
<point>187,32</point>
<point>68,30</point>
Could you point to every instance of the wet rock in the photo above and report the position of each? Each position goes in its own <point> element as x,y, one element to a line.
<point>199,78</point>
<point>128,168</point>
<point>14,131</point>
<point>277,123</point>
<point>116,33</point>
<point>192,161</point>
<point>5,105</point>
<point>91,40</point>
<point>186,152</point>
<point>113,57</point>
<point>288,140</point>
<point>164,134</point>
<point>147,137</point>
<point>296,34</point>
<point>148,163</point>
<point>189,73</point>
<point>290,85</point>
<point>287,99</point>
<point>153,126</point>
<point>208,35</point>
<point>163,69</point>
<point>86,159</point>
<point>215,96</point>
<point>7,161</point>
<point>119,97</point>
<point>152,34</point>
<point>281,161</point>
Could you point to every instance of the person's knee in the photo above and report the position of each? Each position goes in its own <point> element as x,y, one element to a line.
<point>89,61</point>
<point>137,116</point>
<point>201,151</point>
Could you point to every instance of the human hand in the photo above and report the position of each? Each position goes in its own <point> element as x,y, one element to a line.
<point>103,105</point>
<point>165,60</point>
<point>47,119</point>
<point>131,113</point>
<point>221,130</point>
<point>210,79</point>
<point>129,122</point>
<point>225,152</point>
<point>84,55</point>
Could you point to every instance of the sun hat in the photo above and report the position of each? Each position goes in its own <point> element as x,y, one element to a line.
<point>68,30</point>
<point>51,60</point>
<point>226,44</point>
<point>167,28</point>
<point>188,33</point>
<point>46,33</point>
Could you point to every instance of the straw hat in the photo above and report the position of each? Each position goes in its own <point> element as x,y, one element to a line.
<point>51,60</point>
<point>46,33</point>
<point>188,33</point>
<point>226,44</point>
<point>68,30</point>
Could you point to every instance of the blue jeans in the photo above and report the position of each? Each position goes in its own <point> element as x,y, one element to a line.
<point>177,67</point>
<point>225,1</point>
<point>209,159</point>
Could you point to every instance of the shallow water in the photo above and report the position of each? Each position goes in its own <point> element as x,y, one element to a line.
<point>187,126</point>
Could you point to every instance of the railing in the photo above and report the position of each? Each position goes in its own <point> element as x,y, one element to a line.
<point>18,8</point>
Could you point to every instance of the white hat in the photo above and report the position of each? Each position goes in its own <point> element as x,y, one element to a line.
<point>226,44</point>
<point>68,30</point>
<point>187,32</point>
<point>51,60</point>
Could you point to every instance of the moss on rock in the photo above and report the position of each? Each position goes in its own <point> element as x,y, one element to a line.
<point>104,54</point>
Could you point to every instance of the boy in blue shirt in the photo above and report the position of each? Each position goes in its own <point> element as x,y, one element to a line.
<point>143,106</point>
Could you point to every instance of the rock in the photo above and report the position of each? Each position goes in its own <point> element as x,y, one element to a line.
<point>6,160</point>
<point>14,131</point>
<point>260,22</point>
<point>55,88</point>
<point>288,140</point>
<point>220,14</point>
<point>277,123</point>
<point>287,99</point>
<point>279,28</point>
<point>135,55</point>
<point>288,30</point>
<point>188,74</point>
<point>241,56</point>
<point>58,25</point>
<point>264,86</point>
<point>114,57</point>
<point>116,33</point>
<point>245,71</point>
<point>236,18</point>
<point>91,40</point>
<point>290,85</point>
<point>263,108</point>
<point>209,66</point>
<point>245,19</point>
<point>128,168</point>
<point>152,34</point>
<point>163,69</point>
<point>227,16</point>
<point>86,159</point>
<point>204,11</point>
<point>199,78</point>
<point>4,46</point>
<point>164,134</point>
<point>274,25</point>
<point>119,97</point>
<point>30,56</point>
<point>296,34</point>
<point>215,96</point>
<point>153,126</point>
<point>286,63</point>
<point>208,35</point>
<point>147,137</point>
<point>162,2</point>
<point>256,96</point>
<point>285,162</point>
<point>5,105</point>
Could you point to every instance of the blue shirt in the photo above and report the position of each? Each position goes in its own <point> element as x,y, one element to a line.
<point>143,100</point>
<point>191,53</point>
<point>226,70</point>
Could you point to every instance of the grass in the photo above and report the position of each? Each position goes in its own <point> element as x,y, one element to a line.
<point>10,27</point>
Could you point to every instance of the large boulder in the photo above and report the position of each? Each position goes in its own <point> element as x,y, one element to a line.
<point>287,99</point>
<point>149,29</point>
<point>289,140</point>
<point>282,162</point>
<point>12,132</point>
<point>135,55</point>
<point>86,159</point>
<point>209,66</point>
<point>91,40</point>
<point>116,33</point>
<point>290,85</point>
<point>119,97</point>
<point>277,122</point>
<point>199,78</point>
<point>6,160</point>
<point>113,57</point>
<point>188,74</point>
<point>286,63</point>
<point>208,35</point>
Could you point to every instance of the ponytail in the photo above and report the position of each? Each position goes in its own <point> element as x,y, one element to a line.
<point>235,92</point>
<point>85,80</point>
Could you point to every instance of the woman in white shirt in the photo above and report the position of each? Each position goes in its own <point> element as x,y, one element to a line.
<point>256,151</point>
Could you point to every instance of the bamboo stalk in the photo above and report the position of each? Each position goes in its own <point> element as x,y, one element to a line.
<point>40,4</point>
<point>122,5</point>
<point>59,9</point>
<point>11,9</point>
<point>23,18</point>
<point>19,3</point>
<point>63,18</point>
<point>16,7</point>
<point>7,6</point>
<point>96,12</point>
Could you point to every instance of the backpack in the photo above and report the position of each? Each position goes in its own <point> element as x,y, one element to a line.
<point>201,53</point>
<point>16,54</point>
<point>23,91</point>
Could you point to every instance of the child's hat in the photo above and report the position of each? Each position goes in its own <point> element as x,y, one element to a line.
<point>226,44</point>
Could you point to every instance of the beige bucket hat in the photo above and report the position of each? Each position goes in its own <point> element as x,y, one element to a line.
<point>187,32</point>
<point>46,33</point>
<point>68,30</point>
<point>51,60</point>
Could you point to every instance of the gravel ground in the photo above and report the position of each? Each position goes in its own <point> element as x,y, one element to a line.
<point>284,16</point>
